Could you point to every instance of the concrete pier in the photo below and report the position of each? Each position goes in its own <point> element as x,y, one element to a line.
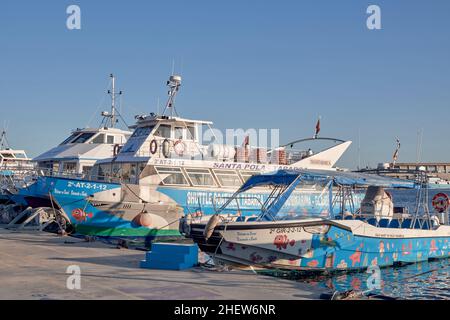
<point>33,266</point>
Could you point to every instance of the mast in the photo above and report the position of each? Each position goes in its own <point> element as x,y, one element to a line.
<point>174,84</point>
<point>113,101</point>
<point>112,116</point>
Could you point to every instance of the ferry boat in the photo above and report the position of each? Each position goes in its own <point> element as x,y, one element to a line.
<point>374,235</point>
<point>77,154</point>
<point>164,172</point>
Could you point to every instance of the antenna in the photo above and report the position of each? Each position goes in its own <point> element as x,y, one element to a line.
<point>359,148</point>
<point>419,145</point>
<point>174,84</point>
<point>112,116</point>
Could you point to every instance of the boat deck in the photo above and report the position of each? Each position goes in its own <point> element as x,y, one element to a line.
<point>33,266</point>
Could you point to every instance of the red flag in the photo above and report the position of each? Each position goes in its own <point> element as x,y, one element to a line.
<point>246,141</point>
<point>317,128</point>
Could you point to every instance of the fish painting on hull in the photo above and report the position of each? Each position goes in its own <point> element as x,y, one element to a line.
<point>80,215</point>
<point>282,241</point>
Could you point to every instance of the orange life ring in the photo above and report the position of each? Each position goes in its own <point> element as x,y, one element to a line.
<point>153,146</point>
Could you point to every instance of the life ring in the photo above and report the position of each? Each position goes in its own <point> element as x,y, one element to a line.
<point>440,202</point>
<point>116,150</point>
<point>153,146</point>
<point>166,148</point>
<point>179,147</point>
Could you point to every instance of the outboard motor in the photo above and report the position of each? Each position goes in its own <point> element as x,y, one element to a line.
<point>210,226</point>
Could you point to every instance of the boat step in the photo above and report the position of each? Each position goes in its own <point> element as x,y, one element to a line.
<point>171,256</point>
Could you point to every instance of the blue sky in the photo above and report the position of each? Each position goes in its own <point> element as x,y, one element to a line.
<point>245,64</point>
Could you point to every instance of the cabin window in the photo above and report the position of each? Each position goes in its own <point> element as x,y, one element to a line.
<point>247,174</point>
<point>104,172</point>
<point>99,139</point>
<point>127,172</point>
<point>163,131</point>
<point>86,170</point>
<point>69,166</point>
<point>228,178</point>
<point>20,155</point>
<point>171,176</point>
<point>7,155</point>
<point>69,139</point>
<point>110,139</point>
<point>191,133</point>
<point>200,177</point>
<point>84,137</point>
<point>142,131</point>
<point>179,132</point>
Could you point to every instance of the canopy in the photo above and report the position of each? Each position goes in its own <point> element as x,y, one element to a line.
<point>286,177</point>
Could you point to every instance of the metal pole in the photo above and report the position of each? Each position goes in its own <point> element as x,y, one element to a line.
<point>113,102</point>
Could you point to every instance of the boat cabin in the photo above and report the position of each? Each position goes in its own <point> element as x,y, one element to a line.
<point>77,154</point>
<point>14,159</point>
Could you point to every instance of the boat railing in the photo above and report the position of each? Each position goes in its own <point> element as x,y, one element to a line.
<point>169,148</point>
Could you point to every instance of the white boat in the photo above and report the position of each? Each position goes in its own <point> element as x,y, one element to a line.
<point>372,236</point>
<point>14,167</point>
<point>77,154</point>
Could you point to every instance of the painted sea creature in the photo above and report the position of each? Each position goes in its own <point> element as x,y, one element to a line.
<point>374,262</point>
<point>381,249</point>
<point>395,256</point>
<point>282,242</point>
<point>356,257</point>
<point>433,247</point>
<point>231,246</point>
<point>342,264</point>
<point>255,257</point>
<point>313,263</point>
<point>80,215</point>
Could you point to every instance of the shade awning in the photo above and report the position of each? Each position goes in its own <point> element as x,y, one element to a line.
<point>286,177</point>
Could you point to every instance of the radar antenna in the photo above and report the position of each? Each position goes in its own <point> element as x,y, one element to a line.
<point>174,84</point>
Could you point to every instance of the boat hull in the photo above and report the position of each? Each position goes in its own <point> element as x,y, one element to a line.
<point>305,246</point>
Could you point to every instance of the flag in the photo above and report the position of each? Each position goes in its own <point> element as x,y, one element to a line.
<point>317,128</point>
<point>246,141</point>
<point>395,156</point>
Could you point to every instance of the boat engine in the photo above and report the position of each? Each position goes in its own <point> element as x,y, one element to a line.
<point>210,226</point>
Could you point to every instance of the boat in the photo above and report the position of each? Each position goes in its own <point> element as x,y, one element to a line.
<point>76,155</point>
<point>14,167</point>
<point>377,234</point>
<point>164,172</point>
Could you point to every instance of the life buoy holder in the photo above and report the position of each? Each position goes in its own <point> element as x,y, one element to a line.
<point>153,146</point>
<point>179,147</point>
<point>166,148</point>
<point>116,149</point>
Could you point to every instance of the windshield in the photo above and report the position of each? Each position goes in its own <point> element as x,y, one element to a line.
<point>84,137</point>
<point>307,199</point>
<point>72,136</point>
